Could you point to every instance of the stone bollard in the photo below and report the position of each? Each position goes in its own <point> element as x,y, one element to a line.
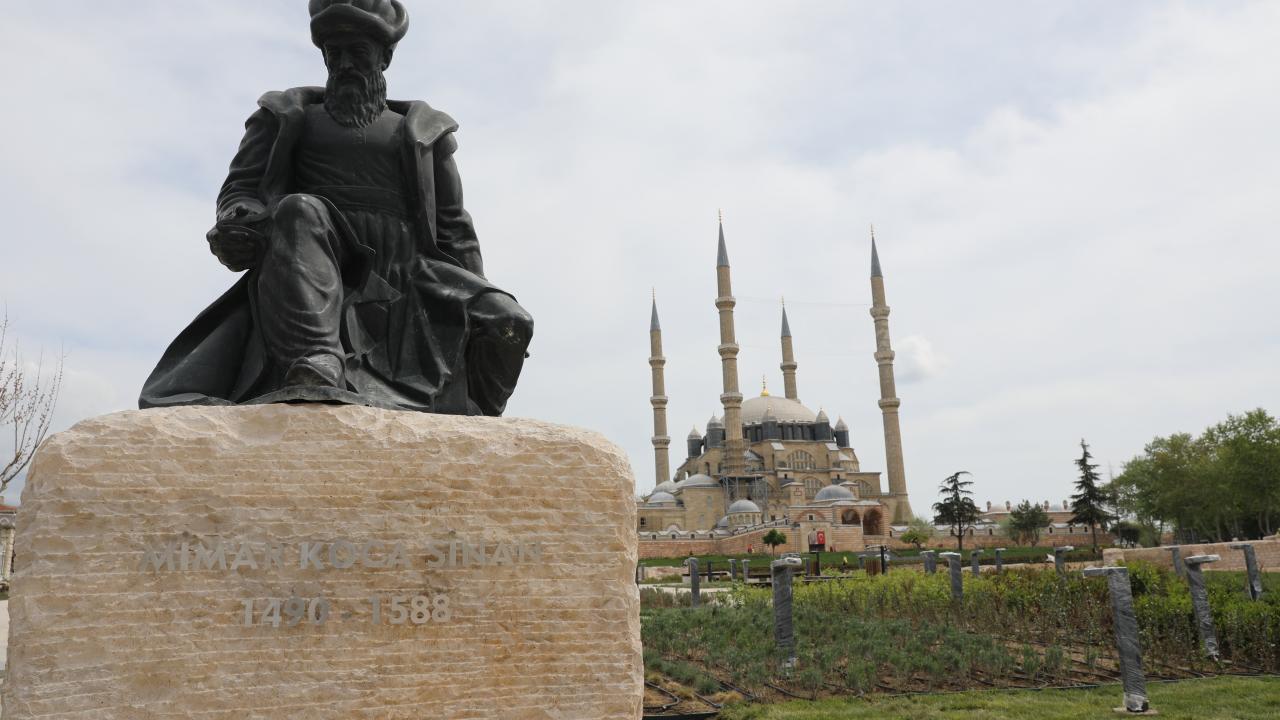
<point>930,561</point>
<point>746,571</point>
<point>695,583</point>
<point>733,569</point>
<point>973,561</point>
<point>957,583</point>
<point>885,558</point>
<point>783,628</point>
<point>1253,583</point>
<point>1060,558</point>
<point>1176,553</point>
<point>999,560</point>
<point>1126,626</point>
<point>708,571</point>
<point>1200,601</point>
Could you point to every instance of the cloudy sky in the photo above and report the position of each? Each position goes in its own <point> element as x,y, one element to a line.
<point>1076,203</point>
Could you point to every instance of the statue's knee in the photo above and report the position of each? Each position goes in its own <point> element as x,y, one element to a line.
<point>299,206</point>
<point>501,315</point>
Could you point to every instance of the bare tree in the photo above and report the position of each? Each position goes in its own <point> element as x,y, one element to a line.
<point>27,398</point>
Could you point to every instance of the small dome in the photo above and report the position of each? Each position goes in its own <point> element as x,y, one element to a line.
<point>723,522</point>
<point>743,506</point>
<point>694,435</point>
<point>714,422</point>
<point>780,408</point>
<point>833,492</point>
<point>699,481</point>
<point>666,487</point>
<point>660,498</point>
<point>822,417</point>
<point>841,426</point>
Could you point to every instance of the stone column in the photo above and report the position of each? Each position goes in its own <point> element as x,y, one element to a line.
<point>999,560</point>
<point>709,578</point>
<point>1060,558</point>
<point>695,582</point>
<point>733,569</point>
<point>1176,552</point>
<point>746,571</point>
<point>1126,628</point>
<point>1253,583</point>
<point>889,401</point>
<point>973,561</point>
<point>7,533</point>
<point>930,561</point>
<point>661,440</point>
<point>957,582</point>
<point>1200,602</point>
<point>733,463</point>
<point>783,629</point>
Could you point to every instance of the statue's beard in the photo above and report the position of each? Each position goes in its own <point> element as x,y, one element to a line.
<point>355,100</point>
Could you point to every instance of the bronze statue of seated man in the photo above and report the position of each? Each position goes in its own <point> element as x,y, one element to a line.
<point>365,282</point>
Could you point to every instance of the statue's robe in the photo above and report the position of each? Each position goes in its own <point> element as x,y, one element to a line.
<point>405,345</point>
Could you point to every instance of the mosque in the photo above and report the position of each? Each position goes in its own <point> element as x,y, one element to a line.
<point>772,461</point>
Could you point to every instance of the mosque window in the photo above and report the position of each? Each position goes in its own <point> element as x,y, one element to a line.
<point>812,486</point>
<point>643,521</point>
<point>801,460</point>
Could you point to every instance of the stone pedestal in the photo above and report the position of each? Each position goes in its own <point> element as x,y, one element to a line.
<point>312,561</point>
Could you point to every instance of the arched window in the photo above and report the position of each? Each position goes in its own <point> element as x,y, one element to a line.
<point>812,486</point>
<point>643,521</point>
<point>849,517</point>
<point>801,460</point>
<point>871,523</point>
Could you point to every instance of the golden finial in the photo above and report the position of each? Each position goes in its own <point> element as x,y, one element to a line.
<point>720,214</point>
<point>784,301</point>
<point>654,291</point>
<point>764,386</point>
<point>873,232</point>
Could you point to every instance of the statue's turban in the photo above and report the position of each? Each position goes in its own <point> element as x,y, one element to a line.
<point>385,20</point>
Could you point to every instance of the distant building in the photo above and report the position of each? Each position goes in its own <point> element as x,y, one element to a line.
<point>772,460</point>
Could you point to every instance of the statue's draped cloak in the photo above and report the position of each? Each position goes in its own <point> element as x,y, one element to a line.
<point>405,343</point>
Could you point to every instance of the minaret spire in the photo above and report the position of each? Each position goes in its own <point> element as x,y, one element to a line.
<point>657,363</point>
<point>731,398</point>
<point>788,358</point>
<point>889,402</point>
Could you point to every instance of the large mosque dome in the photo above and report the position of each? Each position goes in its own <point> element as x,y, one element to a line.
<point>783,409</point>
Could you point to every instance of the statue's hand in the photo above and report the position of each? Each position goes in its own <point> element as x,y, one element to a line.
<point>238,246</point>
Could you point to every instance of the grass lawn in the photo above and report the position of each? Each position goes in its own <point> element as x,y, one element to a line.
<point>1221,698</point>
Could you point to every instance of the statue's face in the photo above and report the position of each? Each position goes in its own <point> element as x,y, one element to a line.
<point>356,93</point>
<point>349,55</point>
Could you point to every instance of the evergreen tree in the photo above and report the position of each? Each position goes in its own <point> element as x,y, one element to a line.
<point>1026,521</point>
<point>1089,504</point>
<point>956,507</point>
<point>773,539</point>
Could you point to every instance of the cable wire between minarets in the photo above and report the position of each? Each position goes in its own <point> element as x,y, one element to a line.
<point>657,363</point>
<point>734,463</point>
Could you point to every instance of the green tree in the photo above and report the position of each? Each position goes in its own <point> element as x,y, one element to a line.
<point>1026,521</point>
<point>1089,504</point>
<point>919,530</point>
<point>956,507</point>
<point>773,539</point>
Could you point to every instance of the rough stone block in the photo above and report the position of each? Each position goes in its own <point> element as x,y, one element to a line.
<point>324,562</point>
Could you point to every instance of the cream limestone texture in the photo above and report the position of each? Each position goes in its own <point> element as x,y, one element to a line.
<point>504,548</point>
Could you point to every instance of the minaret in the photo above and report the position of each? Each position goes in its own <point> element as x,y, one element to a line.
<point>788,358</point>
<point>661,441</point>
<point>889,401</point>
<point>731,399</point>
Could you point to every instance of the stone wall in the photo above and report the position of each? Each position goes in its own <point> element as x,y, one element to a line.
<point>324,562</point>
<point>1268,552</point>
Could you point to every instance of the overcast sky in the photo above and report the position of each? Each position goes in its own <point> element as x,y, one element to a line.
<point>1076,204</point>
